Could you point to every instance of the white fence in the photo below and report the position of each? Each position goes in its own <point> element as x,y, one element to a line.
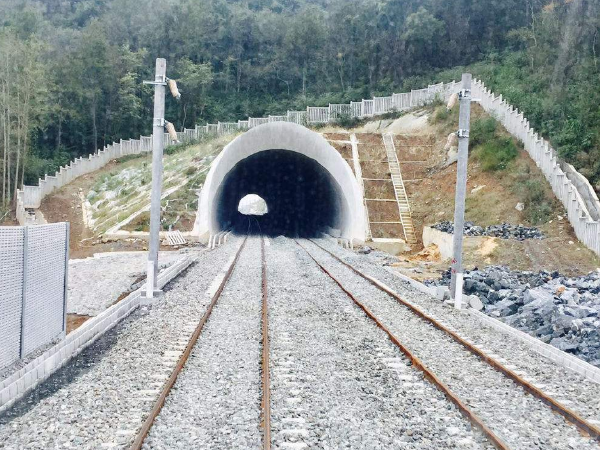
<point>586,229</point>
<point>30,197</point>
<point>33,288</point>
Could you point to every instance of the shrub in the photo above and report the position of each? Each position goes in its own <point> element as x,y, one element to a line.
<point>347,121</point>
<point>482,131</point>
<point>440,115</point>
<point>496,153</point>
<point>538,207</point>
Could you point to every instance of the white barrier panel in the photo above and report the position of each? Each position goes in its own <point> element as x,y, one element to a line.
<point>545,157</point>
<point>33,282</point>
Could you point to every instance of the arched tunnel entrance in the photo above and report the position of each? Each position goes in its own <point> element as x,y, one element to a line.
<point>302,197</point>
<point>307,185</point>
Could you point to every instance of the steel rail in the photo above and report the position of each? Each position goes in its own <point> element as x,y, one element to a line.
<point>147,425</point>
<point>464,409</point>
<point>571,416</point>
<point>266,388</point>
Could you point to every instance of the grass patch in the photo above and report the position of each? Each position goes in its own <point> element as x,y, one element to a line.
<point>496,154</point>
<point>535,194</point>
<point>493,150</point>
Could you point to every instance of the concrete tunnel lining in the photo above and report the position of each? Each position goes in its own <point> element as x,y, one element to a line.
<point>350,218</point>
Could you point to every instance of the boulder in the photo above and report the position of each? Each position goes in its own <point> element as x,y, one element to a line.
<point>532,295</point>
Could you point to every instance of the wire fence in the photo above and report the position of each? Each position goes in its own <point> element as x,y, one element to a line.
<point>33,287</point>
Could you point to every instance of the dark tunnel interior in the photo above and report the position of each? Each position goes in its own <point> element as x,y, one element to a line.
<point>302,197</point>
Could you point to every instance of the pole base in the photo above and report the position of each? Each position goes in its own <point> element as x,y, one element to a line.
<point>145,300</point>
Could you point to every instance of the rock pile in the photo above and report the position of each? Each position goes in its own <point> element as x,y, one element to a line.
<point>503,231</point>
<point>561,311</point>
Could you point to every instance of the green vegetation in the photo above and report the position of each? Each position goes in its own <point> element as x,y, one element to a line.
<point>493,150</point>
<point>72,70</point>
<point>347,121</point>
<point>125,191</point>
<point>535,194</point>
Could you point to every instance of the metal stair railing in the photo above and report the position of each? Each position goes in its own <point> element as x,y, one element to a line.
<point>399,189</point>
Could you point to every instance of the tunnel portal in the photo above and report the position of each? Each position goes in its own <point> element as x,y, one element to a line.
<point>307,185</point>
<point>302,197</point>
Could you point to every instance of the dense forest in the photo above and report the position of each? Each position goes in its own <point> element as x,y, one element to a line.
<point>71,71</point>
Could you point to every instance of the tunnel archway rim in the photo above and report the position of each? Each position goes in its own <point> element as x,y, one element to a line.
<point>291,137</point>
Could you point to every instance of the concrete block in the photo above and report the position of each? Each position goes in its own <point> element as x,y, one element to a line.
<point>442,292</point>
<point>474,302</point>
<point>4,396</point>
<point>29,380</point>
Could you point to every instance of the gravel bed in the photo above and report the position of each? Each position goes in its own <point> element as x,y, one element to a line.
<point>521,420</point>
<point>503,231</point>
<point>573,390</point>
<point>99,396</point>
<point>336,379</point>
<point>215,402</point>
<point>96,283</point>
<point>560,311</point>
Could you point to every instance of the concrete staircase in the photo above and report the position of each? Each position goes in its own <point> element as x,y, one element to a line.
<point>399,189</point>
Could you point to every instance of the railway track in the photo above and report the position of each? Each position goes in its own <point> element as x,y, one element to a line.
<point>295,403</point>
<point>144,438</point>
<point>544,402</point>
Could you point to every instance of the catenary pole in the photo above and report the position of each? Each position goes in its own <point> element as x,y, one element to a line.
<point>464,119</point>
<point>158,125</point>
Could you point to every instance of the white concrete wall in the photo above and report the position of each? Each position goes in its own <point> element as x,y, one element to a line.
<point>292,137</point>
<point>439,238</point>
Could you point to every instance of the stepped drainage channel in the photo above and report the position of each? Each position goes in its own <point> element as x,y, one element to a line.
<point>303,199</point>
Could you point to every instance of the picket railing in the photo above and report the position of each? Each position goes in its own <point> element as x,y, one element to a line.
<point>30,197</point>
<point>586,229</point>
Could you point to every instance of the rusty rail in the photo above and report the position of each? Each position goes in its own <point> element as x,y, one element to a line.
<point>266,388</point>
<point>464,409</point>
<point>147,425</point>
<point>584,426</point>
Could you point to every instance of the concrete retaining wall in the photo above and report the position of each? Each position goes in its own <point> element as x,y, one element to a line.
<point>439,238</point>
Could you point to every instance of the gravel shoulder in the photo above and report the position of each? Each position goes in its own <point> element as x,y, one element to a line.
<point>510,405</point>
<point>336,379</point>
<point>97,282</point>
<point>103,393</point>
